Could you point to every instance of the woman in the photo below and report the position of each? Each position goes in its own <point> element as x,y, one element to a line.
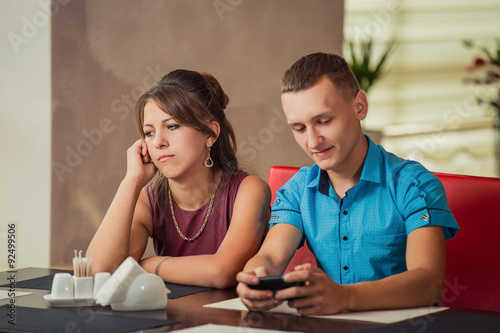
<point>205,215</point>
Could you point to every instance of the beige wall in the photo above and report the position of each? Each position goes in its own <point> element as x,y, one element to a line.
<point>104,54</point>
<point>25,131</point>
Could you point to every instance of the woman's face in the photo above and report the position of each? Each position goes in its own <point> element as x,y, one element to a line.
<point>175,149</point>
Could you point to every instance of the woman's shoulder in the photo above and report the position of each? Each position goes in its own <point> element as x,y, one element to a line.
<point>235,174</point>
<point>147,193</point>
<point>240,178</point>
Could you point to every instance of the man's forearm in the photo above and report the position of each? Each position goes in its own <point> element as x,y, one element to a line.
<point>265,262</point>
<point>418,287</point>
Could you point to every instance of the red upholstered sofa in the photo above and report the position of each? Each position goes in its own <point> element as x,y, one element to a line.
<point>472,256</point>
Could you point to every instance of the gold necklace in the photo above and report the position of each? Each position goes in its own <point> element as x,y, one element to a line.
<point>212,197</point>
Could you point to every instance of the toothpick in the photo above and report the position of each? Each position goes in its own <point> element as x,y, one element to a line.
<point>75,265</point>
<point>80,262</point>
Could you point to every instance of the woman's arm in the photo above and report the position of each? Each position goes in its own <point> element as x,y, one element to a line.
<point>243,238</point>
<point>112,242</point>
<point>127,215</point>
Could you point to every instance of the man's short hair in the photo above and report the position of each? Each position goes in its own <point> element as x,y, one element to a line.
<point>308,70</point>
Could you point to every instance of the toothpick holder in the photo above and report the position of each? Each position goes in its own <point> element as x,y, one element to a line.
<point>83,287</point>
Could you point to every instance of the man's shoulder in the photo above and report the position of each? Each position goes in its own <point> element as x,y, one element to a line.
<point>404,173</point>
<point>303,178</point>
<point>396,165</point>
<point>409,169</point>
<point>305,175</point>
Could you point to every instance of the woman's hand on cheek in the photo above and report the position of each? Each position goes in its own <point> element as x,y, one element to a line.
<point>140,166</point>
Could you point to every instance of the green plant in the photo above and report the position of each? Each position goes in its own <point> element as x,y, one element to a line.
<point>485,72</point>
<point>366,69</point>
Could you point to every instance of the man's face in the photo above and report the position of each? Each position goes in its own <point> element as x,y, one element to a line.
<point>325,125</point>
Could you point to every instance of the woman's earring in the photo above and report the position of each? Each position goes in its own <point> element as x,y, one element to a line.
<point>208,161</point>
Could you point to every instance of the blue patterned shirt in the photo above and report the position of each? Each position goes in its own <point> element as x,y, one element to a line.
<point>363,236</point>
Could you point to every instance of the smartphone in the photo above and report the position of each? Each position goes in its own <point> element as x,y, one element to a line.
<point>274,283</point>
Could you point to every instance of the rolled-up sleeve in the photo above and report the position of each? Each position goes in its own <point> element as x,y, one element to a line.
<point>424,203</point>
<point>286,206</point>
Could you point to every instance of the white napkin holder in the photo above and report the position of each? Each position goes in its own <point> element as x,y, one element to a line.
<point>131,288</point>
<point>146,292</point>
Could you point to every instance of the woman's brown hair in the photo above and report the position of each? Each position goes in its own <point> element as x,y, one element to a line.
<point>194,99</point>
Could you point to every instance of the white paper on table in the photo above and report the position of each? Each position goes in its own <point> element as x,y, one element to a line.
<point>379,316</point>
<point>4,294</point>
<point>213,328</point>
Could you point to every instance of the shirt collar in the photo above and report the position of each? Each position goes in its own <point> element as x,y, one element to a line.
<point>372,167</point>
<point>372,170</point>
<point>314,176</point>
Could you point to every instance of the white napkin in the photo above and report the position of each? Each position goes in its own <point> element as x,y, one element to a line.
<point>114,290</point>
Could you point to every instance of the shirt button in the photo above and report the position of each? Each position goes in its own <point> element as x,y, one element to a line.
<point>344,212</point>
<point>278,201</point>
<point>421,195</point>
<point>282,190</point>
<point>346,268</point>
<point>412,184</point>
<point>345,238</point>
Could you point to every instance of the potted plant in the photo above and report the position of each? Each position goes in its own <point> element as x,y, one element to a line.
<point>365,67</point>
<point>485,72</point>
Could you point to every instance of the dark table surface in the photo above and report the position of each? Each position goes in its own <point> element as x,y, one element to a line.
<point>189,311</point>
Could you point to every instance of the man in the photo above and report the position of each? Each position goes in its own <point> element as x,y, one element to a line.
<point>376,223</point>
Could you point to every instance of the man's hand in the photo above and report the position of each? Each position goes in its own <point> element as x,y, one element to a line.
<point>321,295</point>
<point>255,300</point>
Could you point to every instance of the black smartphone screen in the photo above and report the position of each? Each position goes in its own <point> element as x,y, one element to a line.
<point>274,283</point>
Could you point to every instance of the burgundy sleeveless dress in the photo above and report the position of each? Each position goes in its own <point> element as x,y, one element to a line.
<point>166,239</point>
